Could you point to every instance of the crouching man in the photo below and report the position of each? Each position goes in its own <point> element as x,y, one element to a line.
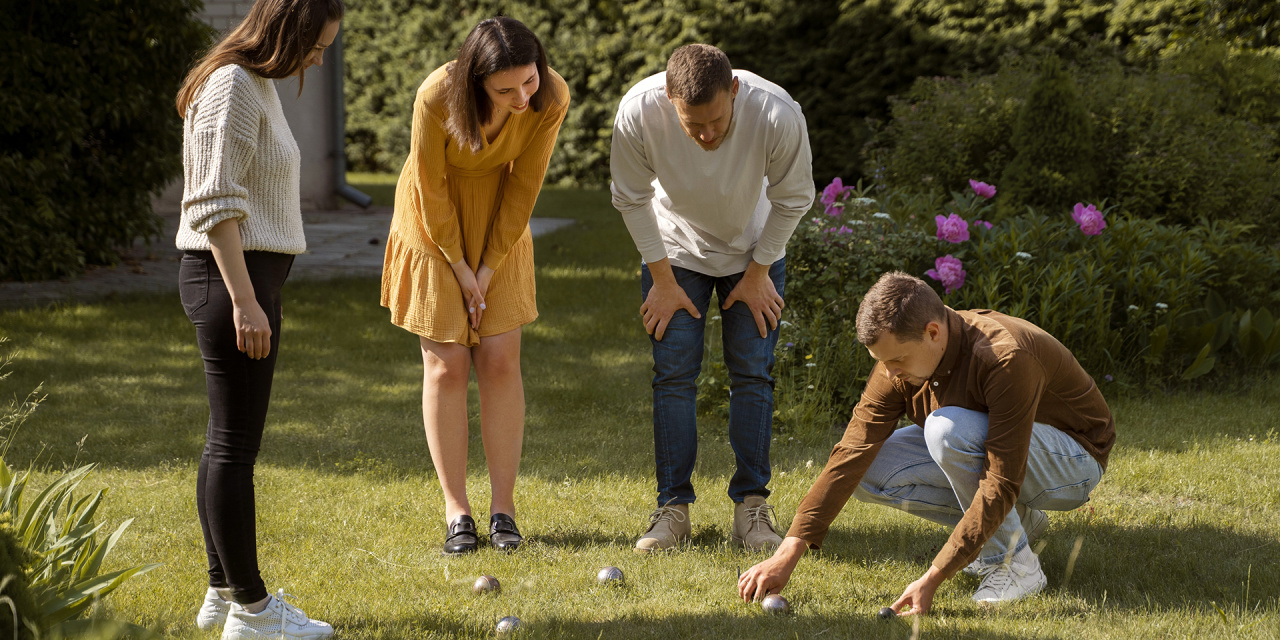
<point>1007,425</point>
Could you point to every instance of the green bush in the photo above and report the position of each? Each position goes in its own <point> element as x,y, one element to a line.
<point>1054,160</point>
<point>17,609</point>
<point>1140,303</point>
<point>87,126</point>
<point>841,60</point>
<point>1159,151</point>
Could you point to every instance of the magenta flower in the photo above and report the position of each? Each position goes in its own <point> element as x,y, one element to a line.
<point>952,228</point>
<point>982,223</point>
<point>1089,219</point>
<point>983,189</point>
<point>833,192</point>
<point>948,271</point>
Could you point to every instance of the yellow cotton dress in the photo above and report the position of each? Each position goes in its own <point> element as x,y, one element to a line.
<point>452,204</point>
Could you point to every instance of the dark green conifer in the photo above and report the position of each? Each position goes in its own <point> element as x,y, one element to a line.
<point>1054,165</point>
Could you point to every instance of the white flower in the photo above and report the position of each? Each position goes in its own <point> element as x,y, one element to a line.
<point>1161,306</point>
<point>810,386</point>
<point>1134,307</point>
<point>866,202</point>
<point>808,464</point>
<point>785,323</point>
<point>882,215</point>
<point>858,222</point>
<point>1022,255</point>
<point>810,364</point>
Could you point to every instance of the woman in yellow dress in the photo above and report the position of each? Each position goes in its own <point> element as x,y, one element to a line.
<point>459,265</point>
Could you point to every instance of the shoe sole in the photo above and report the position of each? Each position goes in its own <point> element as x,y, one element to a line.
<point>743,543</point>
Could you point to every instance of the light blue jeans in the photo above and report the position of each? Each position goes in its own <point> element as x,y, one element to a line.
<point>933,472</point>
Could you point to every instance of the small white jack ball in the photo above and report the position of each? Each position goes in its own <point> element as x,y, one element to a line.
<point>508,624</point>
<point>774,603</point>
<point>610,576</point>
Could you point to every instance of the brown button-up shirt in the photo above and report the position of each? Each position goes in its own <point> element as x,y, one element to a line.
<point>1000,365</point>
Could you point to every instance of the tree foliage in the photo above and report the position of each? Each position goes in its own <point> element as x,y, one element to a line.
<point>87,126</point>
<point>841,59</point>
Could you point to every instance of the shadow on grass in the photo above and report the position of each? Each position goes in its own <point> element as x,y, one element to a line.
<point>750,623</point>
<point>1155,568</point>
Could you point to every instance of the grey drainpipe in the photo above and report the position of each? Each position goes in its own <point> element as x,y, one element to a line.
<point>338,101</point>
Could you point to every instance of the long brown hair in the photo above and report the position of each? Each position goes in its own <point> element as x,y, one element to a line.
<point>272,42</point>
<point>494,45</point>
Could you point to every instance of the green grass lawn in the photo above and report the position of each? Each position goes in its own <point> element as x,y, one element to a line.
<point>1180,541</point>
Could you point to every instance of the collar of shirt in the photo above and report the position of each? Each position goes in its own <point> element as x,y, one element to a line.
<point>955,344</point>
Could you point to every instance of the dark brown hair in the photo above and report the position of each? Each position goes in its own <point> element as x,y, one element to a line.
<point>697,73</point>
<point>272,41</point>
<point>900,304</point>
<point>494,45</point>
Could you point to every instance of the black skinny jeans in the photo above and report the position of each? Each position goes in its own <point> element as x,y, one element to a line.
<point>239,392</point>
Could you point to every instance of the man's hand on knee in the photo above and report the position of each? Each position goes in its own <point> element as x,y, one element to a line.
<point>665,297</point>
<point>756,290</point>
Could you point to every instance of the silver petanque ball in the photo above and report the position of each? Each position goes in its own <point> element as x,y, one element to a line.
<point>508,624</point>
<point>486,584</point>
<point>610,576</point>
<point>887,613</point>
<point>774,603</point>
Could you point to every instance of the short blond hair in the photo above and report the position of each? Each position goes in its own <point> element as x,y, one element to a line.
<point>697,73</point>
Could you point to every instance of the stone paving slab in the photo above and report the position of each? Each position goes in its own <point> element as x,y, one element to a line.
<point>346,242</point>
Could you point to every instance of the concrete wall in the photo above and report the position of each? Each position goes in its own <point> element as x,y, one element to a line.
<point>310,118</point>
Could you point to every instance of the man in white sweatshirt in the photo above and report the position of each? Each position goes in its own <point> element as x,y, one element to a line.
<point>711,171</point>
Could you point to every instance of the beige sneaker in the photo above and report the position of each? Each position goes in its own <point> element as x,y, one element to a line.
<point>752,525</point>
<point>668,527</point>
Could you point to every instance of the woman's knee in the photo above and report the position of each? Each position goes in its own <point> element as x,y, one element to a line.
<point>446,367</point>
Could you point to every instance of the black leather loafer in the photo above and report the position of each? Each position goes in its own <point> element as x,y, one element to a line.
<point>503,532</point>
<point>462,536</point>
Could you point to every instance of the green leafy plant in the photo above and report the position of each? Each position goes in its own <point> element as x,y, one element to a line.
<point>51,550</point>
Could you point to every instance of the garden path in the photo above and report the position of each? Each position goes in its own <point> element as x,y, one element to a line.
<point>345,242</point>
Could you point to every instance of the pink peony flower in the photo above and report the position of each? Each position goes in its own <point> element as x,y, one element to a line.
<point>952,228</point>
<point>948,271</point>
<point>982,223</point>
<point>983,189</point>
<point>1089,219</point>
<point>833,193</point>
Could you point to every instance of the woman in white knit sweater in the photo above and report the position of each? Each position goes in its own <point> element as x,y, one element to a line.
<point>241,228</point>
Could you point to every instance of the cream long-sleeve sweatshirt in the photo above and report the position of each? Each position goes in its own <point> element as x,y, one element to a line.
<point>240,161</point>
<point>712,211</point>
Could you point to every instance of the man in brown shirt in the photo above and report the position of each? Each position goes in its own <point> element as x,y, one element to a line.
<point>1007,424</point>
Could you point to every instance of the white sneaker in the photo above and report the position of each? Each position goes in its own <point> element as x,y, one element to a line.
<point>279,621</point>
<point>213,612</point>
<point>1034,523</point>
<point>1018,578</point>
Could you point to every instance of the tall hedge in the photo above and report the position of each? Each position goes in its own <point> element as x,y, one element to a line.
<point>840,59</point>
<point>87,126</point>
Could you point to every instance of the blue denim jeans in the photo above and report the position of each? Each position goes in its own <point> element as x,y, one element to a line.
<point>933,472</point>
<point>677,361</point>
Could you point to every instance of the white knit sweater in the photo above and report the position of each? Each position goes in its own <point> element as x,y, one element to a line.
<point>240,161</point>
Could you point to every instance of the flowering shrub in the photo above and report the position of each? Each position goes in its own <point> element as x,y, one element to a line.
<point>1128,296</point>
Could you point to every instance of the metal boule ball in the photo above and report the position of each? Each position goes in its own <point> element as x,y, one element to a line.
<point>508,624</point>
<point>887,613</point>
<point>486,584</point>
<point>774,603</point>
<point>610,576</point>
